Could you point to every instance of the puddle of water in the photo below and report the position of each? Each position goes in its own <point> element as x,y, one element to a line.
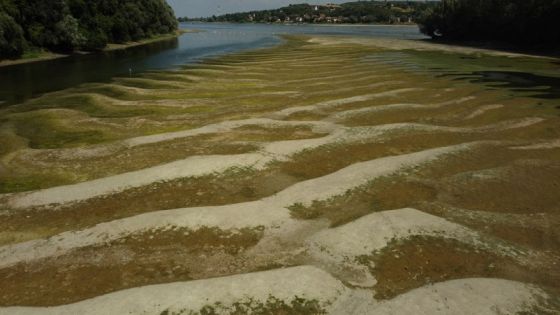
<point>540,86</point>
<point>527,76</point>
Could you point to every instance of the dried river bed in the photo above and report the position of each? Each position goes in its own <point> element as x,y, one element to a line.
<point>327,175</point>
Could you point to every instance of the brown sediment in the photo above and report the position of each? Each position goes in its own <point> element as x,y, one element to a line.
<point>66,170</point>
<point>444,115</point>
<point>476,180</point>
<point>260,133</point>
<point>78,169</point>
<point>238,185</point>
<point>545,237</point>
<point>382,194</point>
<point>247,185</point>
<point>453,115</point>
<point>306,116</point>
<point>135,260</point>
<point>412,263</point>
<point>527,187</point>
<point>298,306</point>
<point>234,187</point>
<point>329,158</point>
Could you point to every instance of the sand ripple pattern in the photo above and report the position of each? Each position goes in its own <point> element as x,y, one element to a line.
<point>252,183</point>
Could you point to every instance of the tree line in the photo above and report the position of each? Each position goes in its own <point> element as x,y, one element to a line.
<point>520,22</point>
<point>349,12</point>
<point>68,25</point>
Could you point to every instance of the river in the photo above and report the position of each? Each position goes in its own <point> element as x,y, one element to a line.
<point>21,82</point>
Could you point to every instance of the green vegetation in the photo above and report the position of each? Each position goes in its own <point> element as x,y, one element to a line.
<point>31,182</point>
<point>520,22</point>
<point>351,12</point>
<point>298,306</point>
<point>68,25</point>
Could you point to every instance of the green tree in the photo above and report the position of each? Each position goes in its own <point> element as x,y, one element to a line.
<point>12,42</point>
<point>68,34</point>
<point>521,22</point>
<point>67,25</point>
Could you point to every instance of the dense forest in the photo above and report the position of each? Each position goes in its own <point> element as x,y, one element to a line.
<point>521,22</point>
<point>68,25</point>
<point>350,12</point>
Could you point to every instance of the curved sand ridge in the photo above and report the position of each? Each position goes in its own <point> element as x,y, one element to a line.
<point>225,126</point>
<point>267,212</point>
<point>538,146</point>
<point>466,296</point>
<point>355,112</point>
<point>202,165</point>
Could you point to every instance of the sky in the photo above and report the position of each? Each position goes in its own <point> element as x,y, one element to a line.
<point>203,8</point>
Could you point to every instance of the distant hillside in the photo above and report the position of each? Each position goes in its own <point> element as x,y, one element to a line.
<point>67,25</point>
<point>350,12</point>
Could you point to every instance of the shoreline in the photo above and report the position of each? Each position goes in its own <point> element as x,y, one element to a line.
<point>43,56</point>
<point>489,47</point>
<point>552,53</point>
<point>307,24</point>
<point>47,55</point>
<point>114,47</point>
<point>427,45</point>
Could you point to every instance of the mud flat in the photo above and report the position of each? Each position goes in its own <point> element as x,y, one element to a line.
<point>328,175</point>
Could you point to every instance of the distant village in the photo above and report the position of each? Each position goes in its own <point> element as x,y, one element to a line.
<point>361,12</point>
<point>320,16</point>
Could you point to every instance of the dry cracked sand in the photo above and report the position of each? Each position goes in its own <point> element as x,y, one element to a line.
<point>317,177</point>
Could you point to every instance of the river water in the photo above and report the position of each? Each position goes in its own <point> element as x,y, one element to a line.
<point>21,82</point>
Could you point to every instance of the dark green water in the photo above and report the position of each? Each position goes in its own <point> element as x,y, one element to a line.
<point>537,85</point>
<point>22,82</point>
<point>536,77</point>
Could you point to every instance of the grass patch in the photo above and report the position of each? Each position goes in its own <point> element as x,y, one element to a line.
<point>421,260</point>
<point>297,306</point>
<point>264,133</point>
<point>202,239</point>
<point>152,257</point>
<point>45,133</point>
<point>521,188</point>
<point>392,192</point>
<point>544,306</point>
<point>234,186</point>
<point>94,106</point>
<point>330,158</point>
<point>33,53</point>
<point>42,136</point>
<point>31,182</point>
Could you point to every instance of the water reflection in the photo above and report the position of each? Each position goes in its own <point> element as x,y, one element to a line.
<point>22,82</point>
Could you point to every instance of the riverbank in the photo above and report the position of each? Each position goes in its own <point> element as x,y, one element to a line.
<point>113,47</point>
<point>502,47</point>
<point>308,24</point>
<point>428,45</point>
<point>38,57</point>
<point>47,55</point>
